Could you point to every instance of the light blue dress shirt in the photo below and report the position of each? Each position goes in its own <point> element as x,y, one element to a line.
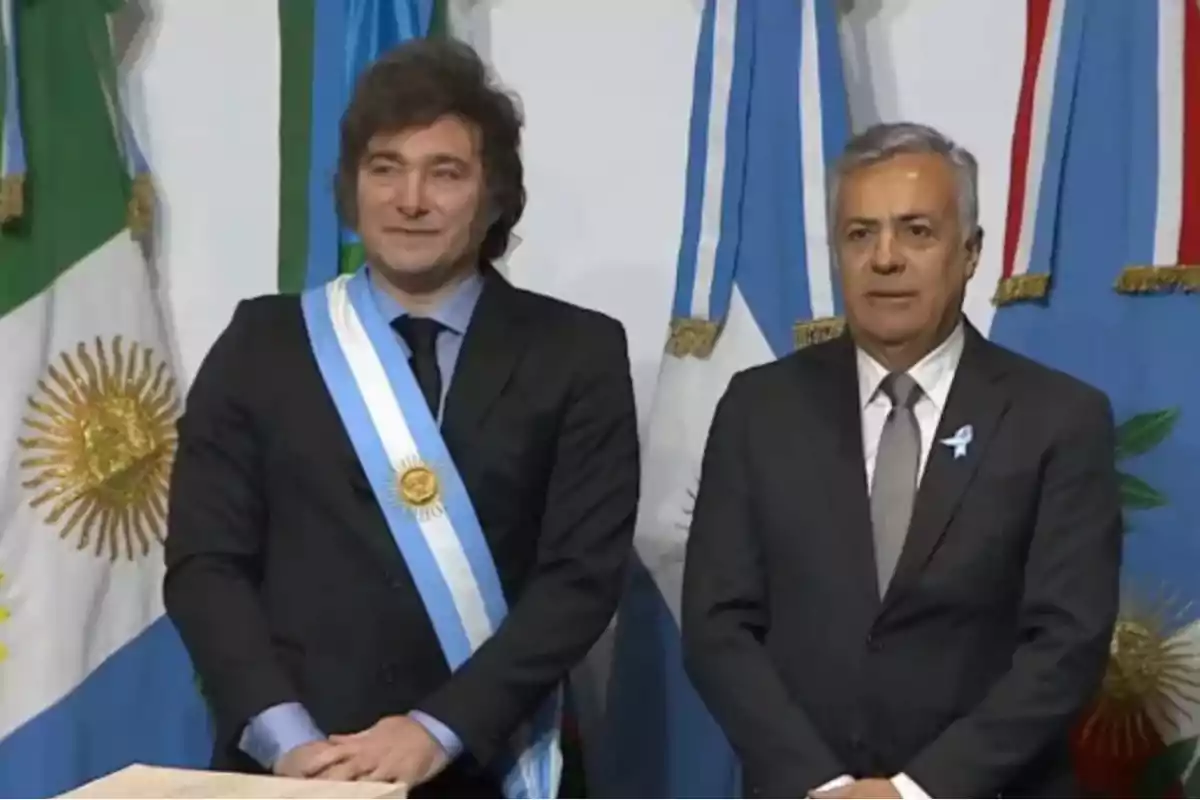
<point>279,729</point>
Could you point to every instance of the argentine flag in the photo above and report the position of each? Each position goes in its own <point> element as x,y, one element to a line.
<point>92,674</point>
<point>754,281</point>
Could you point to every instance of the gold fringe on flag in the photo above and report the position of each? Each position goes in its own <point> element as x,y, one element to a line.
<point>1020,288</point>
<point>1159,280</point>
<point>140,214</point>
<point>12,198</point>
<point>815,331</point>
<point>692,337</point>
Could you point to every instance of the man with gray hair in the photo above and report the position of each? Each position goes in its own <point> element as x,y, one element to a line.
<point>902,571</point>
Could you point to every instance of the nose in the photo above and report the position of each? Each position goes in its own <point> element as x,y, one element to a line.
<point>410,195</point>
<point>885,256</point>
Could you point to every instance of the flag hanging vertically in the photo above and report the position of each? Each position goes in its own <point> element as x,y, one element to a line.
<point>754,279</point>
<point>92,674</point>
<point>324,46</point>
<point>1053,36</point>
<point>1119,230</point>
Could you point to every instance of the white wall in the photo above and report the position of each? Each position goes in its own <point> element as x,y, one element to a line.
<point>605,177</point>
<point>204,97</point>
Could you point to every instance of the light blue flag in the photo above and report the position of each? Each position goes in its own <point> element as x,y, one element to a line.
<point>1109,208</point>
<point>754,280</point>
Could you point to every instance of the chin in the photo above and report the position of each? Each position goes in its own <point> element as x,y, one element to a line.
<point>894,334</point>
<point>409,267</point>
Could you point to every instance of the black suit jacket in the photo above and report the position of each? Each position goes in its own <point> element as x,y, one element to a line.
<point>994,631</point>
<point>282,575</point>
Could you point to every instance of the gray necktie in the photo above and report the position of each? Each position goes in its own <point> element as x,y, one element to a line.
<point>894,486</point>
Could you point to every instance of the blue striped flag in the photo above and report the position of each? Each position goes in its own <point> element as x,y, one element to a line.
<point>326,44</point>
<point>754,280</point>
<point>1110,211</point>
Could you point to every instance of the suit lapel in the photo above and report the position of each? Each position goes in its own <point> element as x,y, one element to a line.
<point>978,398</point>
<point>849,497</point>
<point>493,343</point>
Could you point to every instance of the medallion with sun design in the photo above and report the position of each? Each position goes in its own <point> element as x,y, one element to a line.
<point>100,445</point>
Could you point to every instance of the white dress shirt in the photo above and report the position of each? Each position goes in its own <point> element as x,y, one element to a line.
<point>935,375</point>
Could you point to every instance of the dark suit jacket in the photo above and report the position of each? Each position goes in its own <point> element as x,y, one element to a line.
<point>994,632</point>
<point>283,577</point>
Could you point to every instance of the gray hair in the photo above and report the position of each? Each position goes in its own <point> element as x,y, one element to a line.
<point>885,140</point>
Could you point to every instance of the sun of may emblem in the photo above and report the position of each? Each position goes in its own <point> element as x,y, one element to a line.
<point>100,447</point>
<point>418,488</point>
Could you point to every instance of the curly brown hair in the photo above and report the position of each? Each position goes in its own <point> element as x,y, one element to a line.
<point>414,85</point>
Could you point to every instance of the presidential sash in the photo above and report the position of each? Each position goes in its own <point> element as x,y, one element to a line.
<point>423,499</point>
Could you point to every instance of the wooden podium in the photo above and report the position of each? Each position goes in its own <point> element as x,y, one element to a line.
<point>140,781</point>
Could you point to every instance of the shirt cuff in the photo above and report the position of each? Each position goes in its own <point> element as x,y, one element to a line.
<point>450,743</point>
<point>908,789</point>
<point>277,731</point>
<point>836,783</point>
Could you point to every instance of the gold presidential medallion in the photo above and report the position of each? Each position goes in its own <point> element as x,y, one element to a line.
<point>99,447</point>
<point>419,489</point>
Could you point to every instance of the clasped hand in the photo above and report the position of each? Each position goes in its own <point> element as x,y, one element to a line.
<point>394,750</point>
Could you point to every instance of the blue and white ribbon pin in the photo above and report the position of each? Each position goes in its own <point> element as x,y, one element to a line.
<point>960,440</point>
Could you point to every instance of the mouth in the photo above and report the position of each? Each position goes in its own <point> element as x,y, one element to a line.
<point>891,296</point>
<point>415,232</point>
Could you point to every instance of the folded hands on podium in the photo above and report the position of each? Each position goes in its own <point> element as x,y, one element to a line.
<point>396,749</point>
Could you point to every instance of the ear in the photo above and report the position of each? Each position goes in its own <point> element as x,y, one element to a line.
<point>491,210</point>
<point>974,247</point>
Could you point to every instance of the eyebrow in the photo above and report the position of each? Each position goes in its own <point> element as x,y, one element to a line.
<point>873,221</point>
<point>395,158</point>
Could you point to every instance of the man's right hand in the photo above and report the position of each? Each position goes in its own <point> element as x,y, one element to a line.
<point>308,760</point>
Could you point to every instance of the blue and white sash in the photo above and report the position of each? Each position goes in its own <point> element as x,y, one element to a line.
<point>423,499</point>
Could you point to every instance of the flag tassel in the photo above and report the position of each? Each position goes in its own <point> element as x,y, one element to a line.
<point>140,213</point>
<point>1159,280</point>
<point>691,336</point>
<point>814,331</point>
<point>12,198</point>
<point>12,168</point>
<point>1019,288</point>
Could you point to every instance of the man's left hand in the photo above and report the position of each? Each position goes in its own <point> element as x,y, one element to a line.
<point>394,750</point>
<point>869,788</point>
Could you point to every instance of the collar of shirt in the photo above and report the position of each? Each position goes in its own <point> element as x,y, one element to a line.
<point>454,312</point>
<point>934,373</point>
